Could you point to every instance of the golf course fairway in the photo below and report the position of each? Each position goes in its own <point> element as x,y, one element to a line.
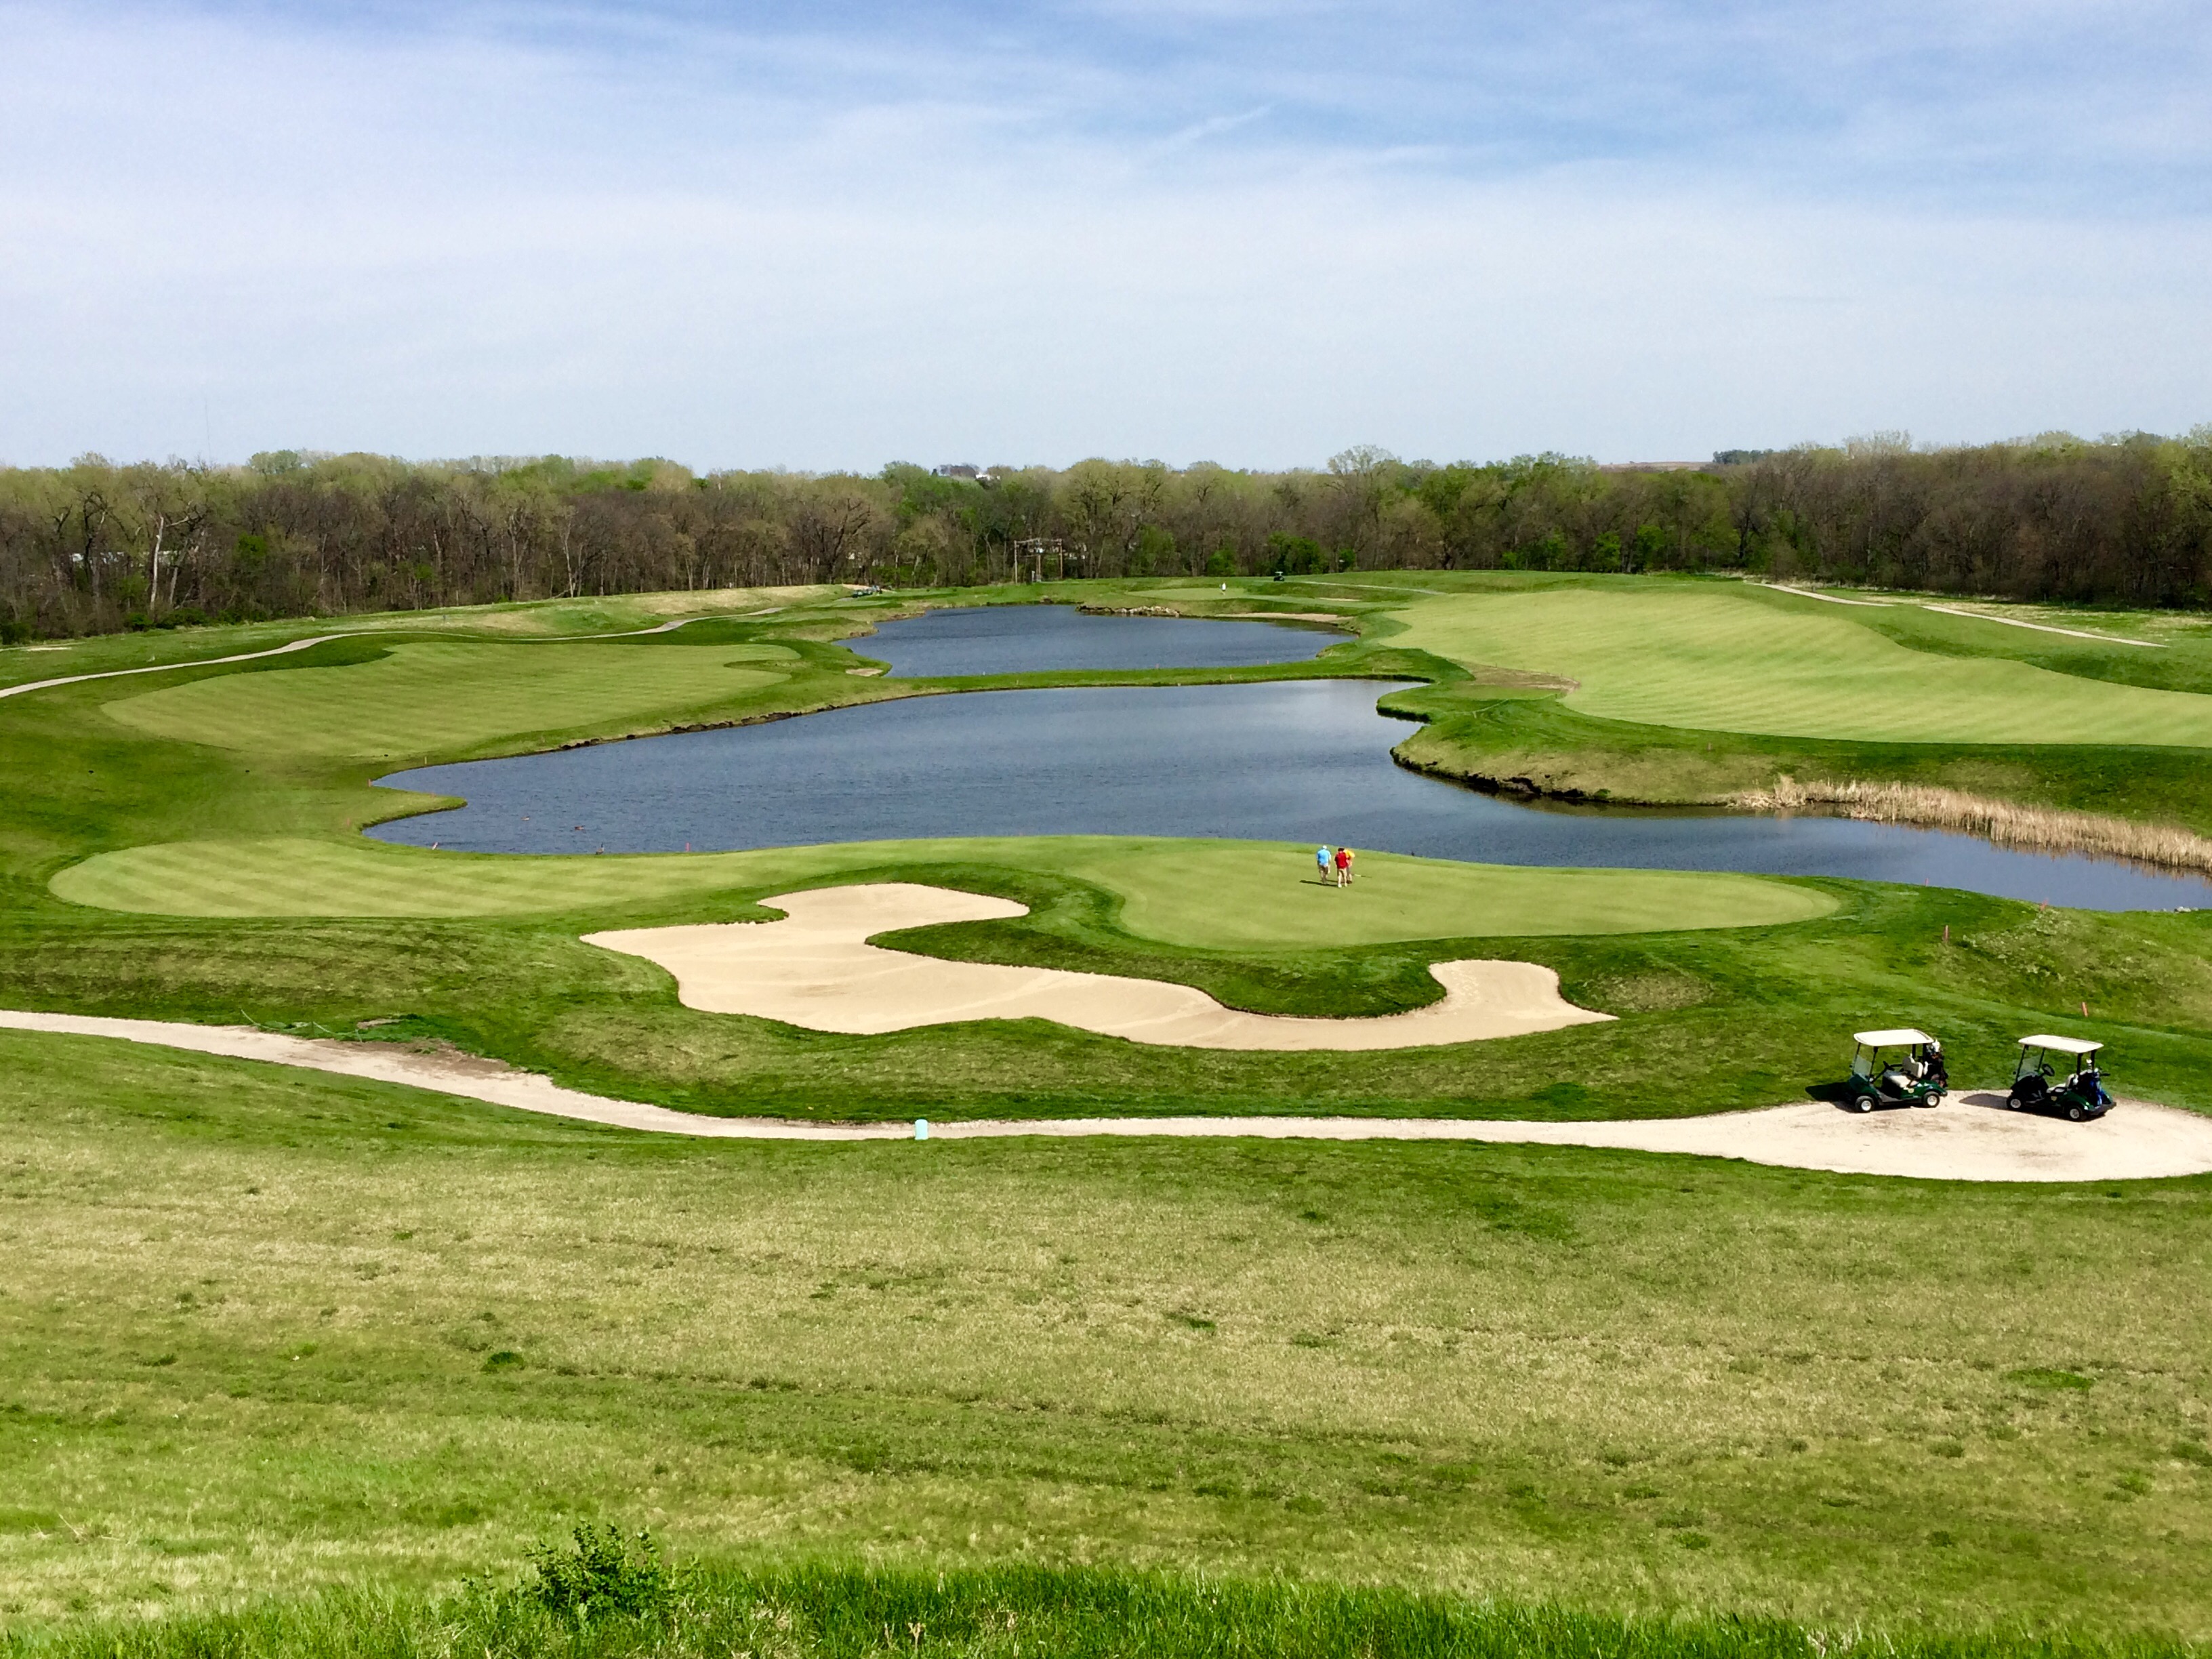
<point>1733,658</point>
<point>417,697</point>
<point>1210,895</point>
<point>307,1350</point>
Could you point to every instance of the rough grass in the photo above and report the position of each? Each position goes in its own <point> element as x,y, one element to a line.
<point>1214,895</point>
<point>437,696</point>
<point>842,1608</point>
<point>263,1332</point>
<point>1730,660</point>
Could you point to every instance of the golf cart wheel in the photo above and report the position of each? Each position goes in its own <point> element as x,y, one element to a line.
<point>1865,1103</point>
<point>2075,1114</point>
<point>2014,1103</point>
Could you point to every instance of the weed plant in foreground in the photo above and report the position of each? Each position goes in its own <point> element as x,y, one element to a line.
<point>837,1610</point>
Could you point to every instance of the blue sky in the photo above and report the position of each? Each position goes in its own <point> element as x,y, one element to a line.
<point>835,234</point>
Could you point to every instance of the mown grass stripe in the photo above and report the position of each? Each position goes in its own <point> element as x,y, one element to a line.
<point>1720,660</point>
<point>1207,894</point>
<point>445,697</point>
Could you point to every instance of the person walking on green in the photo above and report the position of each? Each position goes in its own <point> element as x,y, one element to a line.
<point>1320,863</point>
<point>1344,866</point>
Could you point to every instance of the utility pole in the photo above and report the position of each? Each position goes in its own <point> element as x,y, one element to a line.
<point>1034,548</point>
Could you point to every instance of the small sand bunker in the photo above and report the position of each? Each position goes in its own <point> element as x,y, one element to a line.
<point>817,969</point>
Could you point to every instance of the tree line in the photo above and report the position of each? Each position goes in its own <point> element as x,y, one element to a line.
<point>97,547</point>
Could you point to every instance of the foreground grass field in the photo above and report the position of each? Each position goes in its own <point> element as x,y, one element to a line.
<point>264,1331</point>
<point>262,1334</point>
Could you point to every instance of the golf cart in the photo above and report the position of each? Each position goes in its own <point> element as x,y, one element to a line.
<point>1903,1068</point>
<point>2082,1096</point>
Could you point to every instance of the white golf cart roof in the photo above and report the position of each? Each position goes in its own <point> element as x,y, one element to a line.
<point>2061,1045</point>
<point>1893,1039</point>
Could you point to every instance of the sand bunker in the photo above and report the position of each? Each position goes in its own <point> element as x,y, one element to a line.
<point>816,969</point>
<point>1970,1138</point>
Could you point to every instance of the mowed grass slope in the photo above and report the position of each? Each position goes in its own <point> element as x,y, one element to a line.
<point>264,1332</point>
<point>439,696</point>
<point>1723,659</point>
<point>1210,895</point>
<point>530,619</point>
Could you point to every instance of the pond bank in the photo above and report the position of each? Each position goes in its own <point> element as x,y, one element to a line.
<point>2049,830</point>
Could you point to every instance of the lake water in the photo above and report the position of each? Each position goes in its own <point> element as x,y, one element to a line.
<point>1299,761</point>
<point>1031,639</point>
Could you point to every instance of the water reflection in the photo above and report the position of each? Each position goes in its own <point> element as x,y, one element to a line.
<point>1031,639</point>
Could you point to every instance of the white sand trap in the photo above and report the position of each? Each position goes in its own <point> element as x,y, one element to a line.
<point>816,969</point>
<point>1971,1138</point>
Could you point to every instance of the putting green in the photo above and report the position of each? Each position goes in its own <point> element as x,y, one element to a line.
<point>435,696</point>
<point>1722,660</point>
<point>1215,895</point>
<point>1206,893</point>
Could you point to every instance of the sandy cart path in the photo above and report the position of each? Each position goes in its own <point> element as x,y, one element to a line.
<point>1970,1138</point>
<point>816,969</point>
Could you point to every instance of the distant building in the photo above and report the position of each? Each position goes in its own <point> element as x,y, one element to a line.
<point>958,470</point>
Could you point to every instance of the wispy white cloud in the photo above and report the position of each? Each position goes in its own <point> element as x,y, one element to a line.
<point>833,235</point>
<point>1212,127</point>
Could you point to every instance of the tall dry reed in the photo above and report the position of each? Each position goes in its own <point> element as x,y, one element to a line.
<point>2037,829</point>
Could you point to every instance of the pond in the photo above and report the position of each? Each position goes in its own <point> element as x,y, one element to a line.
<point>1299,760</point>
<point>1028,639</point>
